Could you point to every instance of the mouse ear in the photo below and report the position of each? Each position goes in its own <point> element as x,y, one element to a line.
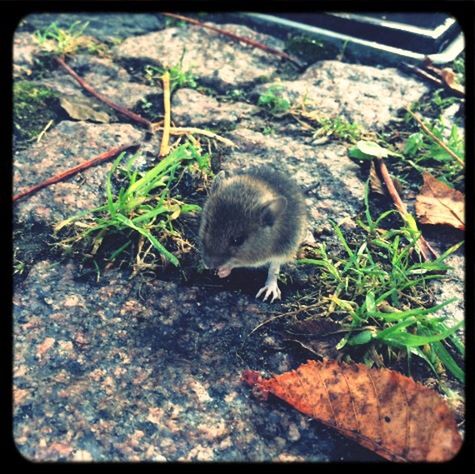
<point>217,181</point>
<point>271,210</point>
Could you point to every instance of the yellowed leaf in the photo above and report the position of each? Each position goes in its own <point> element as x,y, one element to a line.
<point>437,203</point>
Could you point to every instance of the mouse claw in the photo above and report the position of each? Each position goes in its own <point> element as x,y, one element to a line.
<point>270,289</point>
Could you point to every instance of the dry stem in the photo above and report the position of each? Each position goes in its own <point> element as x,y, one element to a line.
<point>122,110</point>
<point>235,37</point>
<point>436,139</point>
<point>72,171</point>
<point>164,148</point>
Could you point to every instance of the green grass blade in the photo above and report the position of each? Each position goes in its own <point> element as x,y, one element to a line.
<point>150,238</point>
<point>149,215</point>
<point>396,316</point>
<point>448,361</point>
<point>119,250</point>
<point>411,340</point>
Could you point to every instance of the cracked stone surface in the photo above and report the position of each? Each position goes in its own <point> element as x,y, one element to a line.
<point>190,108</point>
<point>112,368</point>
<point>140,372</point>
<point>67,145</point>
<point>216,60</point>
<point>103,26</point>
<point>364,94</point>
<point>104,76</point>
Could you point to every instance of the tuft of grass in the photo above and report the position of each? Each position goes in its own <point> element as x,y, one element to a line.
<point>377,285</point>
<point>179,78</point>
<point>338,128</point>
<point>236,95</point>
<point>424,154</point>
<point>144,208</point>
<point>274,100</point>
<point>33,108</point>
<point>59,41</point>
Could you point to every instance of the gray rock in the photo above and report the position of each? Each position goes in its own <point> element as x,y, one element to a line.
<point>218,61</point>
<point>103,26</point>
<point>105,77</point>
<point>364,94</point>
<point>139,370</point>
<point>67,145</point>
<point>25,49</point>
<point>190,108</point>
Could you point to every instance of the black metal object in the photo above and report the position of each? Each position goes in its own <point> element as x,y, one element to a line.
<point>403,35</point>
<point>419,32</point>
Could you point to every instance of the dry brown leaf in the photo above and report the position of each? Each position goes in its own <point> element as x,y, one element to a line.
<point>84,109</point>
<point>398,418</point>
<point>449,77</point>
<point>437,203</point>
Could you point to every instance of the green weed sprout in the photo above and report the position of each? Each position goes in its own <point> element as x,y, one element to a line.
<point>60,41</point>
<point>273,100</point>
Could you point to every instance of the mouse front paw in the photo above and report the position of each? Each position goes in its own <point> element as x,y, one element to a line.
<point>270,289</point>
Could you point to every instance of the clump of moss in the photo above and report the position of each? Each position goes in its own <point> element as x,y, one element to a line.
<point>33,107</point>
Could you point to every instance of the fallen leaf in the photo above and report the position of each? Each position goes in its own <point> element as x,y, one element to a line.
<point>437,203</point>
<point>450,78</point>
<point>446,74</point>
<point>398,418</point>
<point>83,109</point>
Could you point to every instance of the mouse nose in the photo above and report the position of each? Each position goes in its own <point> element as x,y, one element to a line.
<point>211,261</point>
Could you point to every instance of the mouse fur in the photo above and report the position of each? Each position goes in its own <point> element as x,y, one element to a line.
<point>250,219</point>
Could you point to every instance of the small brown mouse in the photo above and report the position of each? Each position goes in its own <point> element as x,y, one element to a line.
<point>252,218</point>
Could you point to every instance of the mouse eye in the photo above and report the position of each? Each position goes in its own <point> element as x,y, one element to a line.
<point>238,241</point>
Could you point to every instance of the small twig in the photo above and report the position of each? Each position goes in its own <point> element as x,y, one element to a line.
<point>235,37</point>
<point>440,81</point>
<point>164,148</point>
<point>290,313</point>
<point>41,134</point>
<point>72,171</point>
<point>436,139</point>
<point>424,74</point>
<point>423,245</point>
<point>122,110</point>
<point>199,131</point>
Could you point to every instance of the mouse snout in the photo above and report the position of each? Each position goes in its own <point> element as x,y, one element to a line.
<point>213,261</point>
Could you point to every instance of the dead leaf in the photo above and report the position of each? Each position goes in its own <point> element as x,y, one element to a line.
<point>62,449</point>
<point>398,418</point>
<point>81,108</point>
<point>450,78</point>
<point>437,203</point>
<point>447,75</point>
